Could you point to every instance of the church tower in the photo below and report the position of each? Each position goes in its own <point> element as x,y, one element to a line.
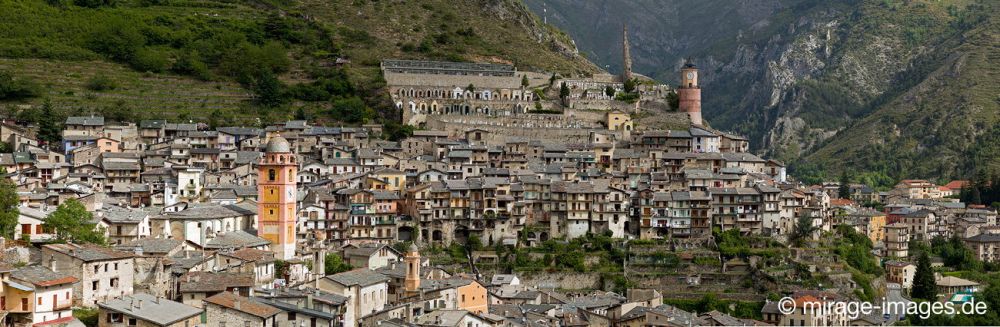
<point>276,197</point>
<point>626,56</point>
<point>412,260</point>
<point>690,93</point>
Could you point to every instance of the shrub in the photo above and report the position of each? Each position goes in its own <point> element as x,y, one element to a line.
<point>147,60</point>
<point>101,83</point>
<point>12,88</point>
<point>191,64</point>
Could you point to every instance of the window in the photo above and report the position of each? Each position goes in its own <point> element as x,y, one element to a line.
<point>131,321</point>
<point>271,174</point>
<point>114,317</point>
<point>39,300</point>
<point>93,285</point>
<point>291,317</point>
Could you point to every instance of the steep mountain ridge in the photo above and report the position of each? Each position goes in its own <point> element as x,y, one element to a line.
<point>804,78</point>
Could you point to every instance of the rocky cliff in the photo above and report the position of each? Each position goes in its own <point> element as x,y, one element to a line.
<point>817,83</point>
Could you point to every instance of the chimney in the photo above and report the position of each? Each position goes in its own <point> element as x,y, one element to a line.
<point>139,306</point>
<point>236,304</point>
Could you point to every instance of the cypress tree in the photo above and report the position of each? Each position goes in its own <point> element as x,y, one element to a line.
<point>924,286</point>
<point>844,191</point>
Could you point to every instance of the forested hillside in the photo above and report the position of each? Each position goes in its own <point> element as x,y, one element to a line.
<point>249,62</point>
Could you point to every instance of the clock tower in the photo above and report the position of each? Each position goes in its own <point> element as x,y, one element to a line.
<point>276,197</point>
<point>690,93</point>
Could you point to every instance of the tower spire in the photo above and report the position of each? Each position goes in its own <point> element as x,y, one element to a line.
<point>626,57</point>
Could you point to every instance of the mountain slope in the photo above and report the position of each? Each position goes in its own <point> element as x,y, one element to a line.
<point>219,58</point>
<point>806,79</point>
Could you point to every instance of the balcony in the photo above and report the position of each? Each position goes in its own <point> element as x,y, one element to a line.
<point>63,304</point>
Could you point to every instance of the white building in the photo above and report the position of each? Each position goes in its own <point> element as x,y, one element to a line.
<point>367,292</point>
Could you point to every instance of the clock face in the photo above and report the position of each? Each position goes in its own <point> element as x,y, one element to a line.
<point>690,75</point>
<point>290,192</point>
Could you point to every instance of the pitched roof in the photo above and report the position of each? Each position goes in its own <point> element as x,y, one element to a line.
<point>88,252</point>
<point>360,277</point>
<point>235,239</point>
<point>150,308</point>
<point>41,276</point>
<point>153,245</point>
<point>85,120</point>
<point>252,255</point>
<point>242,304</point>
<point>205,281</point>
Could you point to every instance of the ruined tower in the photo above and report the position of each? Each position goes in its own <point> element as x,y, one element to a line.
<point>626,57</point>
<point>412,260</point>
<point>276,196</point>
<point>689,93</point>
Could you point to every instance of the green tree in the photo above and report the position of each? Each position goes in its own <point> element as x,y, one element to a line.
<point>524,81</point>
<point>673,99</point>
<point>8,205</point>
<point>352,110</point>
<point>629,85</point>
<point>563,91</point>
<point>49,129</point>
<point>16,88</point>
<point>268,89</point>
<point>552,79</point>
<point>844,191</point>
<point>609,91</point>
<point>119,39</point>
<point>100,83</point>
<point>333,264</point>
<point>803,230</point>
<point>924,286</point>
<point>73,223</point>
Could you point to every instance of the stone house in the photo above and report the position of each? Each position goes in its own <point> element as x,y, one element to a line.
<point>153,257</point>
<point>124,224</point>
<point>104,273</point>
<point>228,309</point>
<point>371,256</point>
<point>259,262</point>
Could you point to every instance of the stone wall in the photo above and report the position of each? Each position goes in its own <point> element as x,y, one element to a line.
<point>562,280</point>
<point>551,128</point>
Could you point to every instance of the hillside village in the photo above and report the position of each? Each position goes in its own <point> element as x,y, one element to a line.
<point>494,212</point>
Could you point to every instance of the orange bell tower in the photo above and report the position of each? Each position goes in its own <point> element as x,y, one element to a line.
<point>276,197</point>
<point>689,93</point>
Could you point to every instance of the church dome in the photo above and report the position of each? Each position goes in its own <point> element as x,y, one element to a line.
<point>412,248</point>
<point>278,144</point>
